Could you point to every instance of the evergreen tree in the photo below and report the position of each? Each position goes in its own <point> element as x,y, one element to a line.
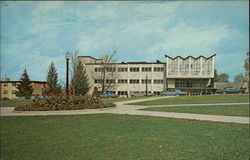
<point>52,85</point>
<point>24,88</point>
<point>81,86</point>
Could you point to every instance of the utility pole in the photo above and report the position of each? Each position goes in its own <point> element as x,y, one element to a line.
<point>146,85</point>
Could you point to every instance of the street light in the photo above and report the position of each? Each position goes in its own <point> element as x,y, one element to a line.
<point>67,56</point>
<point>146,85</point>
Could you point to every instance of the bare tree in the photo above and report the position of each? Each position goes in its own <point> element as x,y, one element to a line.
<point>73,71</point>
<point>105,76</point>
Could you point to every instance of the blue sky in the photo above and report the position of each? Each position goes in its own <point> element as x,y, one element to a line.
<point>35,33</point>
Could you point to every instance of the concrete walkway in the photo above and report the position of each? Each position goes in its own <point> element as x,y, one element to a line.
<point>122,108</point>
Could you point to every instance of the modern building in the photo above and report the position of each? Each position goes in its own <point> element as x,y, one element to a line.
<point>194,75</point>
<point>9,88</point>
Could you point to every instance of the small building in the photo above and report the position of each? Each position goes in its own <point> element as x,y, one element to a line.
<point>9,88</point>
<point>194,75</point>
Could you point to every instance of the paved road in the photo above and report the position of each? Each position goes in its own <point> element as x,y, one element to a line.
<point>122,108</point>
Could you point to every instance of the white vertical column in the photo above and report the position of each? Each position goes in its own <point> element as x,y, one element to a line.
<point>189,66</point>
<point>178,67</point>
<point>201,61</point>
<point>166,67</point>
<point>213,60</point>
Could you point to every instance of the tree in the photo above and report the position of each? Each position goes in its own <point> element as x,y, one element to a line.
<point>223,77</point>
<point>52,85</point>
<point>106,74</point>
<point>80,79</point>
<point>24,88</point>
<point>239,78</point>
<point>246,66</point>
<point>73,70</point>
<point>216,76</point>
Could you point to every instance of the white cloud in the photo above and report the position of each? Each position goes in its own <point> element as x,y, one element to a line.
<point>186,40</point>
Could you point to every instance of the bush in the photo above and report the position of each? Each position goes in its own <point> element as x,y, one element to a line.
<point>54,102</point>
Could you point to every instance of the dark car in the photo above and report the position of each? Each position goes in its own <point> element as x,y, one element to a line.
<point>173,92</point>
<point>230,90</point>
<point>109,95</point>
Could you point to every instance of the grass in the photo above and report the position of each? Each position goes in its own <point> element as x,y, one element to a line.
<point>203,99</point>
<point>226,110</point>
<point>14,103</point>
<point>108,136</point>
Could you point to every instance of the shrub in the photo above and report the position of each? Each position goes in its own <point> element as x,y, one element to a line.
<point>63,102</point>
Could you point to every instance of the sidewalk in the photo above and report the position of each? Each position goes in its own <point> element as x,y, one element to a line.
<point>122,108</point>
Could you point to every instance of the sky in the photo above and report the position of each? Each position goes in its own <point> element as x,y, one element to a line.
<point>33,34</point>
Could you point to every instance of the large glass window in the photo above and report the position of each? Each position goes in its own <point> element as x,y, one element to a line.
<point>134,69</point>
<point>134,81</point>
<point>146,69</point>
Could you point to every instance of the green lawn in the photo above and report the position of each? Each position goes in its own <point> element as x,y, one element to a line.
<point>226,110</point>
<point>198,100</point>
<point>116,137</point>
<point>14,103</point>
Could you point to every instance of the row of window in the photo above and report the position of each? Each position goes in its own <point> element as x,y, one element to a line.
<point>131,81</point>
<point>12,92</point>
<point>12,84</point>
<point>125,93</point>
<point>131,69</point>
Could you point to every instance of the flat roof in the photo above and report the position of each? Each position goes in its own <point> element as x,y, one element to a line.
<point>127,63</point>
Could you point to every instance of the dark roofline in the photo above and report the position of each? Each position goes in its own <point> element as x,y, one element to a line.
<point>189,56</point>
<point>19,81</point>
<point>89,57</point>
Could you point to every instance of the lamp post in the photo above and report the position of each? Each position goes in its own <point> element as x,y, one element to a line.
<point>146,85</point>
<point>67,56</point>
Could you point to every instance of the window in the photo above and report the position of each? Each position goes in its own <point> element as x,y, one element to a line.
<point>144,81</point>
<point>5,84</point>
<point>97,81</point>
<point>110,81</point>
<point>122,81</point>
<point>122,93</point>
<point>158,69</point>
<point>5,92</point>
<point>98,69</point>
<point>134,81</point>
<point>13,92</point>
<point>13,84</point>
<point>122,69</point>
<point>110,69</point>
<point>134,69</point>
<point>110,92</point>
<point>158,81</point>
<point>146,69</point>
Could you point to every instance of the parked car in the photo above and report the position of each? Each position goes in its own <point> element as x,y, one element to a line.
<point>173,92</point>
<point>109,95</point>
<point>230,90</point>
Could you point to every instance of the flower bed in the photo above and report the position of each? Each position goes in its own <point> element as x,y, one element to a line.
<point>54,102</point>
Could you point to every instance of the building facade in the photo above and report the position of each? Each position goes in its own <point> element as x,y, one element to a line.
<point>9,88</point>
<point>194,75</point>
